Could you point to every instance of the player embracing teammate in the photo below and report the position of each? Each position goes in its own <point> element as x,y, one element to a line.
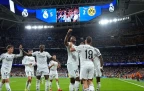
<point>91,63</point>
<point>72,62</point>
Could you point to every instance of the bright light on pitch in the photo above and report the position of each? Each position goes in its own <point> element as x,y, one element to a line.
<point>28,27</point>
<point>104,22</point>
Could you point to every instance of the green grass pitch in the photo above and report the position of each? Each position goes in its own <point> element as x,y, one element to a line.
<point>108,84</point>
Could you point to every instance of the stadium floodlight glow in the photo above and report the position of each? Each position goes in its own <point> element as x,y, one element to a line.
<point>35,27</point>
<point>103,22</point>
<point>40,27</point>
<point>110,21</point>
<point>28,27</point>
<point>128,17</point>
<point>45,27</point>
<point>115,20</point>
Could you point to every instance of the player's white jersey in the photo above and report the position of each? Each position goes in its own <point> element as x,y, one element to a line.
<point>27,60</point>
<point>41,58</point>
<point>55,65</point>
<point>86,53</point>
<point>96,59</point>
<point>7,60</point>
<point>72,56</point>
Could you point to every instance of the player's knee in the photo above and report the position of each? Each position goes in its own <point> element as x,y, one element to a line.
<point>72,80</point>
<point>77,79</point>
<point>38,77</point>
<point>6,80</point>
<point>57,80</point>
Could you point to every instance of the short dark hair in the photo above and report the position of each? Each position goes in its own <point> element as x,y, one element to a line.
<point>89,39</point>
<point>9,46</point>
<point>42,46</point>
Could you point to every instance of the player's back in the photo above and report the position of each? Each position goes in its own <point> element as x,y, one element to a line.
<point>55,65</point>
<point>72,56</point>
<point>87,53</point>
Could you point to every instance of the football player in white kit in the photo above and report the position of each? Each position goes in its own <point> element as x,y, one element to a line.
<point>7,60</point>
<point>87,53</point>
<point>42,66</point>
<point>98,63</point>
<point>29,63</point>
<point>53,65</point>
<point>72,62</point>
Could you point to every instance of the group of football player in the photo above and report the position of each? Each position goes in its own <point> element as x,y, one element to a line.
<point>85,55</point>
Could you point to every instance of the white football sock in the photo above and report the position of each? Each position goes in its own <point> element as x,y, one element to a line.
<point>7,87</point>
<point>50,84</point>
<point>71,87</point>
<point>1,84</point>
<point>87,89</point>
<point>46,85</point>
<point>77,85</point>
<point>91,87</point>
<point>99,85</point>
<point>57,83</point>
<point>29,86</point>
<point>37,85</point>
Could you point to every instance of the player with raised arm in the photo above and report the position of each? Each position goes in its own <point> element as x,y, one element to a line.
<point>87,53</point>
<point>7,60</point>
<point>53,65</point>
<point>72,61</point>
<point>42,66</point>
<point>98,63</point>
<point>29,63</point>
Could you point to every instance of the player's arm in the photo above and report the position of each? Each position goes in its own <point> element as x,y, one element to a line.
<point>1,57</point>
<point>20,54</point>
<point>25,53</point>
<point>75,48</point>
<point>67,37</point>
<point>101,61</point>
<point>50,64</point>
<point>50,57</point>
<point>34,63</point>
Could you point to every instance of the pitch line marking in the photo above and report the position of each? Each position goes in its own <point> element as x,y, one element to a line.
<point>131,83</point>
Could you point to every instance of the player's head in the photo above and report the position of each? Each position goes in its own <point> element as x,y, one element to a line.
<point>88,40</point>
<point>73,39</point>
<point>30,51</point>
<point>42,47</point>
<point>82,43</point>
<point>54,56</point>
<point>10,48</point>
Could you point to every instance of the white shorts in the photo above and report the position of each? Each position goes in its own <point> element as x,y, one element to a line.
<point>5,74</point>
<point>73,70</point>
<point>87,72</point>
<point>29,73</point>
<point>43,71</point>
<point>98,72</point>
<point>53,75</point>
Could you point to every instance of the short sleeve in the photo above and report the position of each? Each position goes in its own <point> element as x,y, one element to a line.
<point>34,53</point>
<point>50,63</point>
<point>48,55</point>
<point>1,57</point>
<point>98,52</point>
<point>78,48</point>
